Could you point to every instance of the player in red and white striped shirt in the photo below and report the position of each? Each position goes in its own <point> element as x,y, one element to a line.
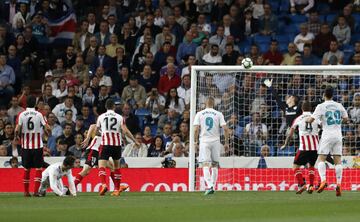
<point>309,143</point>
<point>111,125</point>
<point>29,128</point>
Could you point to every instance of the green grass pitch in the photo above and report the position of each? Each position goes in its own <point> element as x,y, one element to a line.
<point>184,207</point>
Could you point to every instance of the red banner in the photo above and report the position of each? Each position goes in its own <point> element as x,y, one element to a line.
<point>148,179</point>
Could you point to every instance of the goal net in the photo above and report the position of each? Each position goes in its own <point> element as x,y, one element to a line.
<point>259,122</point>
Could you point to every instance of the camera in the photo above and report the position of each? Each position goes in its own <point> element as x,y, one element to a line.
<point>168,163</point>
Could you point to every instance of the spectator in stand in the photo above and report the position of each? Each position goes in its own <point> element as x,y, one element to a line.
<point>88,117</point>
<point>155,103</point>
<point>184,132</point>
<point>102,60</point>
<point>289,57</point>
<point>213,57</point>
<point>3,150</point>
<point>160,38</point>
<point>113,46</point>
<point>249,25</point>
<point>103,79</point>
<point>166,133</point>
<point>168,81</point>
<point>133,150</point>
<point>321,43</point>
<point>231,29</point>
<point>356,51</point>
<point>301,6</point>
<point>90,53</point>
<point>127,39</point>
<point>61,108</point>
<point>61,148</point>
<point>61,90</point>
<point>139,58</point>
<point>308,58</point>
<point>147,80</point>
<point>103,36</point>
<point>80,70</point>
<point>186,48</point>
<point>120,81</point>
<point>69,57</point>
<point>190,61</point>
<point>134,93</point>
<point>70,79</point>
<point>346,13</point>
<point>173,101</point>
<point>40,29</point>
<point>67,136</point>
<point>296,86</point>
<point>304,37</point>
<point>114,26</point>
<point>342,31</point>
<point>131,120</point>
<point>8,136</point>
<point>230,55</point>
<point>169,118</point>
<point>154,29</point>
<point>147,139</point>
<point>14,61</point>
<point>184,90</point>
<point>159,19</point>
<point>354,110</point>
<point>273,56</point>
<point>202,50</point>
<point>14,110</point>
<point>100,101</point>
<point>77,100</point>
<point>68,119</point>
<point>77,149</point>
<point>157,147</point>
<point>219,38</point>
<point>181,20</point>
<point>333,54</point>
<point>81,39</point>
<point>59,69</point>
<point>163,53</point>
<point>314,23</point>
<point>255,133</point>
<point>218,11</point>
<point>88,98</point>
<point>56,131</point>
<point>254,52</point>
<point>175,28</point>
<point>121,59</point>
<point>93,26</point>
<point>268,23</point>
<point>7,80</point>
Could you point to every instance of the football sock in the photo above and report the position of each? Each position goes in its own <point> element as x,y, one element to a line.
<point>26,180</point>
<point>322,171</point>
<point>214,175</point>
<point>338,171</point>
<point>299,176</point>
<point>311,175</point>
<point>207,176</point>
<point>102,175</point>
<point>112,176</point>
<point>117,179</point>
<point>37,180</point>
<point>78,179</point>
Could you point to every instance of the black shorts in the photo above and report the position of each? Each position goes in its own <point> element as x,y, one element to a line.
<point>92,157</point>
<point>105,152</point>
<point>32,158</point>
<point>304,157</point>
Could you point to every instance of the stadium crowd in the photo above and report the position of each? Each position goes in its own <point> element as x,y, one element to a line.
<point>139,53</point>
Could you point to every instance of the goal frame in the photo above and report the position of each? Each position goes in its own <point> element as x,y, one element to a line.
<point>296,69</point>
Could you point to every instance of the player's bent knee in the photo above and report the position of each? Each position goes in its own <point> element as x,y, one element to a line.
<point>215,164</point>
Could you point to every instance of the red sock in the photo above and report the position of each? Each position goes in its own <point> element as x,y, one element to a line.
<point>26,180</point>
<point>311,175</point>
<point>117,179</point>
<point>299,177</point>
<point>37,180</point>
<point>102,175</point>
<point>78,179</point>
<point>112,175</point>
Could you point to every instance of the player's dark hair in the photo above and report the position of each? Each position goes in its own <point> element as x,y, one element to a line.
<point>329,92</point>
<point>69,161</point>
<point>306,106</point>
<point>109,104</point>
<point>31,101</point>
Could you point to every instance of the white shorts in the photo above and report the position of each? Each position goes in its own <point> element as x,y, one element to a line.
<point>330,145</point>
<point>209,152</point>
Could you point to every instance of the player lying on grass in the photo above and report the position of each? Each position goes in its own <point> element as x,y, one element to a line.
<point>92,157</point>
<point>307,152</point>
<point>331,114</point>
<point>52,177</point>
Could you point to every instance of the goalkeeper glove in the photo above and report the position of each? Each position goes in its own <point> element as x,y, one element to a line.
<point>268,82</point>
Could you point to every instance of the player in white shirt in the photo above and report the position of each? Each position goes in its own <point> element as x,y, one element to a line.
<point>112,125</point>
<point>331,114</point>
<point>309,143</point>
<point>52,177</point>
<point>207,124</point>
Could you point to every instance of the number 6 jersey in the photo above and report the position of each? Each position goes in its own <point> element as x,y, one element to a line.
<point>210,122</point>
<point>110,124</point>
<point>31,123</point>
<point>308,132</point>
<point>330,113</point>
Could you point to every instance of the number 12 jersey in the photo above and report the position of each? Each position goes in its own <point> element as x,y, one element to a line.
<point>110,124</point>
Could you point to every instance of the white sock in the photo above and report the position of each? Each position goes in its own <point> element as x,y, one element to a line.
<point>214,175</point>
<point>207,176</point>
<point>338,171</point>
<point>322,171</point>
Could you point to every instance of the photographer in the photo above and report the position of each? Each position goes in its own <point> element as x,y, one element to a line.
<point>155,103</point>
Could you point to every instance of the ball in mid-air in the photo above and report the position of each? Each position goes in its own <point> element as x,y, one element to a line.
<point>247,63</point>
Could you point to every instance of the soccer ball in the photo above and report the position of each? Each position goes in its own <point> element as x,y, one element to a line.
<point>247,63</point>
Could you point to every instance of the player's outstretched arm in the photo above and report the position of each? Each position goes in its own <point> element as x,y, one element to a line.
<point>17,132</point>
<point>129,134</point>
<point>291,133</point>
<point>90,132</point>
<point>53,184</point>
<point>71,180</point>
<point>226,134</point>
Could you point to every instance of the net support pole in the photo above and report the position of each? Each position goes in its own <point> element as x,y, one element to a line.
<point>191,185</point>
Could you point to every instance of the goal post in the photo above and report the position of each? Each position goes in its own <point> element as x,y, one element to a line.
<point>228,102</point>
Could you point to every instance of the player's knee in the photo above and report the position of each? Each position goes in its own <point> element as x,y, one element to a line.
<point>215,164</point>
<point>205,164</point>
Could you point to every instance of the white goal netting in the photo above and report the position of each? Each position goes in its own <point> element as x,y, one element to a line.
<point>259,117</point>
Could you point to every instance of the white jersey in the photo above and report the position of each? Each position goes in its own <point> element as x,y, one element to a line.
<point>95,143</point>
<point>308,132</point>
<point>110,124</point>
<point>31,123</point>
<point>330,113</point>
<point>210,122</point>
<point>53,174</point>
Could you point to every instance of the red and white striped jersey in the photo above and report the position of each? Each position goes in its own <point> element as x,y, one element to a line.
<point>95,143</point>
<point>110,125</point>
<point>308,132</point>
<point>31,123</point>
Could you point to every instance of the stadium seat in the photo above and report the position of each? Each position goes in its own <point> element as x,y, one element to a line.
<point>260,39</point>
<point>282,39</point>
<point>288,151</point>
<point>356,17</point>
<point>239,131</point>
<point>264,47</point>
<point>275,4</point>
<point>298,18</point>
<point>322,18</point>
<point>284,6</point>
<point>283,47</point>
<point>154,129</point>
<point>354,38</point>
<point>322,7</point>
<point>330,18</point>
<point>141,114</point>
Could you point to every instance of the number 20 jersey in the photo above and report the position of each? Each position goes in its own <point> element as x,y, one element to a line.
<point>110,124</point>
<point>330,113</point>
<point>308,132</point>
<point>210,122</point>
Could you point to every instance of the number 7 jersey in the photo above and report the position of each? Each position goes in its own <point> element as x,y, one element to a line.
<point>110,125</point>
<point>330,113</point>
<point>210,122</point>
